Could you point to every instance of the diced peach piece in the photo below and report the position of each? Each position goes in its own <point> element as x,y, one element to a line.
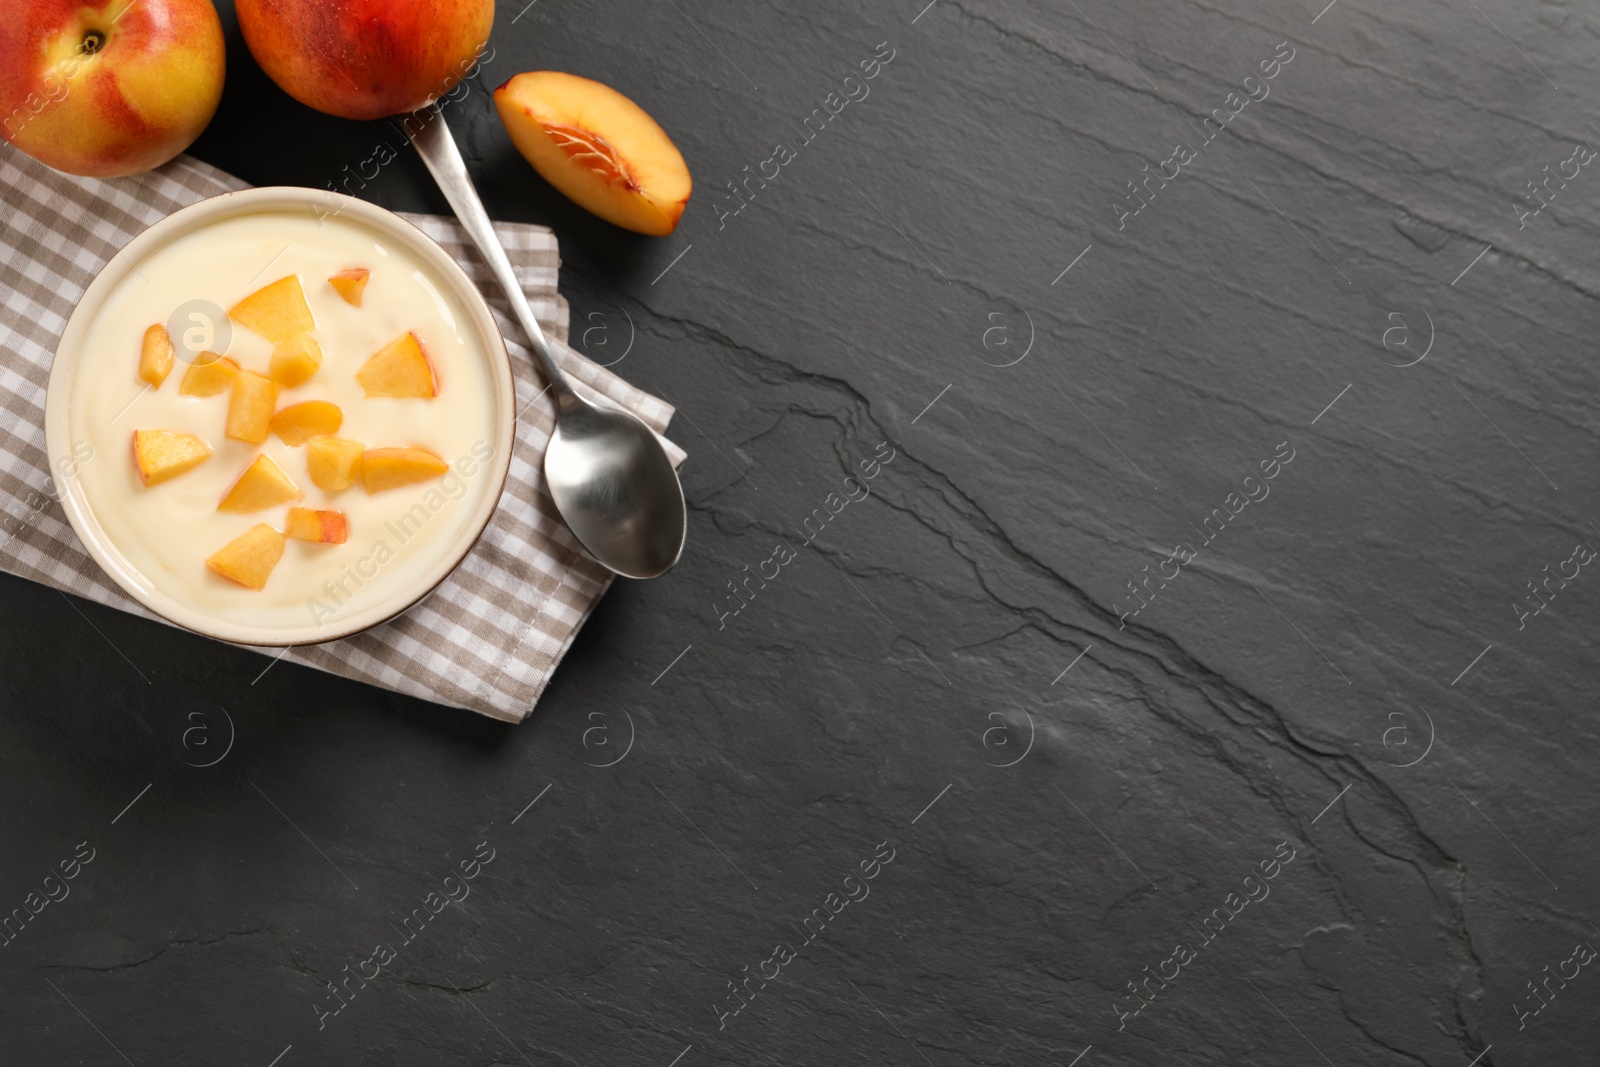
<point>399,369</point>
<point>210,377</point>
<point>597,147</point>
<point>161,455</point>
<point>296,360</point>
<point>155,355</point>
<point>325,526</point>
<point>390,468</point>
<point>262,485</point>
<point>277,311</point>
<point>350,284</point>
<point>333,462</point>
<point>249,558</point>
<point>250,407</point>
<point>298,423</point>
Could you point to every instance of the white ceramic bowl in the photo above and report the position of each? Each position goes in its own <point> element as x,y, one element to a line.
<point>390,594</point>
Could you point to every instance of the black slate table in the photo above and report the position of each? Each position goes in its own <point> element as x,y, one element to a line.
<point>1206,675</point>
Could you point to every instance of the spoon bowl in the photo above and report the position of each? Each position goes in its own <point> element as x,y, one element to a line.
<point>605,470</point>
<point>608,473</point>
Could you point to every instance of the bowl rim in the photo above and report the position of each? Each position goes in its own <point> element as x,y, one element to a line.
<point>269,200</point>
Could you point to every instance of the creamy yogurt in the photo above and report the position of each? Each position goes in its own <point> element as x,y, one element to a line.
<point>168,530</point>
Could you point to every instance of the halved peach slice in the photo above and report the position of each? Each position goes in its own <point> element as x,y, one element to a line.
<point>598,147</point>
<point>155,355</point>
<point>325,525</point>
<point>296,360</point>
<point>300,422</point>
<point>208,378</point>
<point>262,485</point>
<point>249,558</point>
<point>390,468</point>
<point>160,455</point>
<point>333,462</point>
<point>350,284</point>
<point>250,407</point>
<point>277,311</point>
<point>399,369</point>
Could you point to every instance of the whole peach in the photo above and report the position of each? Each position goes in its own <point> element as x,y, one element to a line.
<point>366,59</point>
<point>108,87</point>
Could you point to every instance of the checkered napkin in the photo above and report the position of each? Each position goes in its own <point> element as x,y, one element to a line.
<point>490,636</point>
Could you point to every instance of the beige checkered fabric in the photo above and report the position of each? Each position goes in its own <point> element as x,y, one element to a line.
<point>489,638</point>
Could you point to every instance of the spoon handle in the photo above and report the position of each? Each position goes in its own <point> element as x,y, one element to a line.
<point>443,159</point>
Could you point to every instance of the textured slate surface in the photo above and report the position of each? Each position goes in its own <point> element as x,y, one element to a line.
<point>1342,668</point>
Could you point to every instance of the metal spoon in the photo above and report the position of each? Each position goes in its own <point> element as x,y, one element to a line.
<point>609,476</point>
